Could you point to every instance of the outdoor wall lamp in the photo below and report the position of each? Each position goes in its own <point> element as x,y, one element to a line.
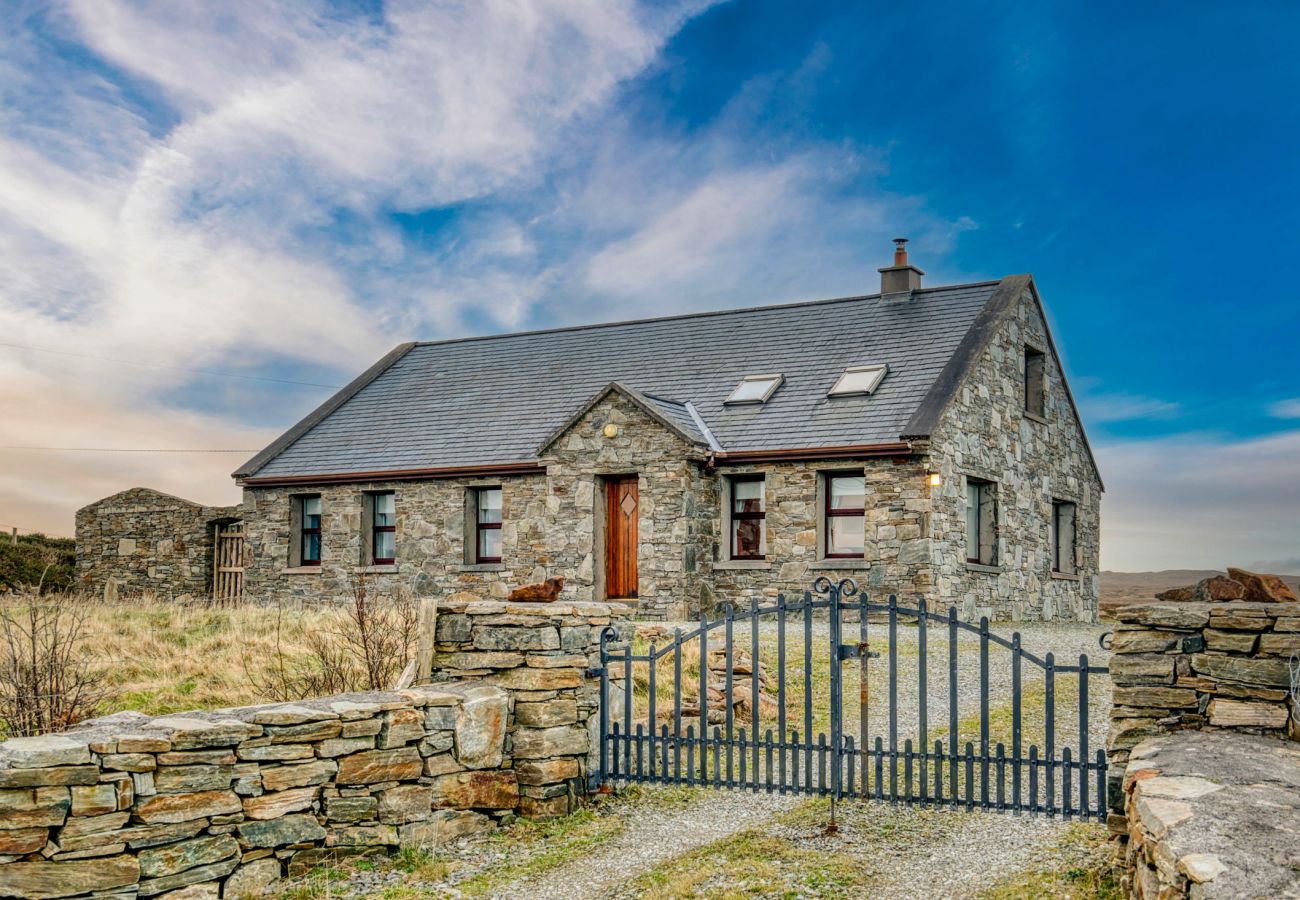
<point>611,430</point>
<point>935,479</point>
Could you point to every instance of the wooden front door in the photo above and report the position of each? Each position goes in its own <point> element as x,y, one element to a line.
<point>622,502</point>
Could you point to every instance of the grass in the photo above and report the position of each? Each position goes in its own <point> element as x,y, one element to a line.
<point>1079,869</point>
<point>753,864</point>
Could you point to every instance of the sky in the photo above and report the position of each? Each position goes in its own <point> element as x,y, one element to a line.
<point>212,213</point>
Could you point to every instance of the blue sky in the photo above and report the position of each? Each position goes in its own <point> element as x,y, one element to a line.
<point>286,193</point>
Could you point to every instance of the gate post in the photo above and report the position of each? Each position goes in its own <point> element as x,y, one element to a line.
<point>837,688</point>
<point>602,777</point>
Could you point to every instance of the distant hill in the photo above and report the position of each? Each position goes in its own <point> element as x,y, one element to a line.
<point>1122,588</point>
<point>34,557</point>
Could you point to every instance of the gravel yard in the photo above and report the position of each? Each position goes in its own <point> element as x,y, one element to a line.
<point>670,842</point>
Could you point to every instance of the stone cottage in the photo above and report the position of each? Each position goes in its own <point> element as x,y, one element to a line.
<point>921,440</point>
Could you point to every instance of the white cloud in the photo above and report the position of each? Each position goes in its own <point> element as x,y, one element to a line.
<point>1285,409</point>
<point>1195,501</point>
<point>194,230</point>
<point>1120,406</point>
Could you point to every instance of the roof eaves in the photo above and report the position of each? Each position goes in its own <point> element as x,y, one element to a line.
<point>317,415</point>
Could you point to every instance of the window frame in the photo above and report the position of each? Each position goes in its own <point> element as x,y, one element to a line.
<point>372,499</point>
<point>974,481</point>
<point>300,500</point>
<point>1034,384</point>
<point>1055,527</point>
<point>480,526</point>
<point>880,370</point>
<point>776,378</point>
<point>734,516</point>
<point>829,513</point>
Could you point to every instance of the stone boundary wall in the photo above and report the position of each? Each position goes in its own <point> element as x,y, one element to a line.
<point>226,803</point>
<point>1212,667</point>
<point>1213,814</point>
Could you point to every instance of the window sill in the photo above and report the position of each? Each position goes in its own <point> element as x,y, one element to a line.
<point>1065,576</point>
<point>385,569</point>
<point>724,565</point>
<point>987,570</point>
<point>830,565</point>
<point>481,567</point>
<point>301,570</point>
<point>1035,417</point>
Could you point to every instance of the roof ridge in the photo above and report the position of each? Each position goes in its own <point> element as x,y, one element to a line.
<point>736,310</point>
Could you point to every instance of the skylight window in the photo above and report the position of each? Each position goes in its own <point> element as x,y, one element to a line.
<point>755,388</point>
<point>858,380</point>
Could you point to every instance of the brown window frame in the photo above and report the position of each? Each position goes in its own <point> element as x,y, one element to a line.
<point>851,512</point>
<point>376,530</point>
<point>304,531</point>
<point>759,516</point>
<point>480,526</point>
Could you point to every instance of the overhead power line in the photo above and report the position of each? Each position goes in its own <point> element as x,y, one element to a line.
<point>125,450</point>
<point>132,362</point>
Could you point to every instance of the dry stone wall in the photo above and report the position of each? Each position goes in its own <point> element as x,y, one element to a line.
<point>226,803</point>
<point>1181,673</point>
<point>147,542</point>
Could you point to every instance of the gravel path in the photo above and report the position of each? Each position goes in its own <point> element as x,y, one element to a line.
<point>653,835</point>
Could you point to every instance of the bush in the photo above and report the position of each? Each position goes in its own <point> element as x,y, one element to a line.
<point>46,683</point>
<point>37,562</point>
<point>366,651</point>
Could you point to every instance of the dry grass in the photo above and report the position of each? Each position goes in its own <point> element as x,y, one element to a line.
<point>161,657</point>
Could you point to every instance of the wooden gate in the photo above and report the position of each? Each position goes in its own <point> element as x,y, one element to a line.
<point>228,563</point>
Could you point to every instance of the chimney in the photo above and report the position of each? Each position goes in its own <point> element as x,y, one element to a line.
<point>901,278</point>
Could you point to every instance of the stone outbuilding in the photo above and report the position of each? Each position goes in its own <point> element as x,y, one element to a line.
<point>920,440</point>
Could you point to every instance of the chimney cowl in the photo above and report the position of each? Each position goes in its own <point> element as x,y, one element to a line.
<point>902,277</point>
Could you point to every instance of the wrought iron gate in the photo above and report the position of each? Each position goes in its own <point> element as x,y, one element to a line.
<point>983,774</point>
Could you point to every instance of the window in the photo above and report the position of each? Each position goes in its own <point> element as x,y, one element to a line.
<point>748,517</point>
<point>981,522</point>
<point>859,380</point>
<point>1063,512</point>
<point>755,388</point>
<point>846,498</point>
<point>307,512</point>
<point>487,525</point>
<point>383,528</point>
<point>1035,384</point>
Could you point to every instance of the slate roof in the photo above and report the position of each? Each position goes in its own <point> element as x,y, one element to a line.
<point>494,400</point>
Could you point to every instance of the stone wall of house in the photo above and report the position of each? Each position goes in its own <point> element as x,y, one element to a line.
<point>147,542</point>
<point>226,803</point>
<point>1220,668</point>
<point>431,556</point>
<point>897,550</point>
<point>985,433</point>
<point>678,507</point>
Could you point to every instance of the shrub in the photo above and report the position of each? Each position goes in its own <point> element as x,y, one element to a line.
<point>37,562</point>
<point>46,682</point>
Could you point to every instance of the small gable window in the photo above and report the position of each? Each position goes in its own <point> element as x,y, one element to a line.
<point>1035,382</point>
<point>859,380</point>
<point>755,388</point>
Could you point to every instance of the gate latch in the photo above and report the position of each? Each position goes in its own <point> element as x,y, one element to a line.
<point>857,651</point>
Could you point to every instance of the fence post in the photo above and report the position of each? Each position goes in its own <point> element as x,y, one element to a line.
<point>428,624</point>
